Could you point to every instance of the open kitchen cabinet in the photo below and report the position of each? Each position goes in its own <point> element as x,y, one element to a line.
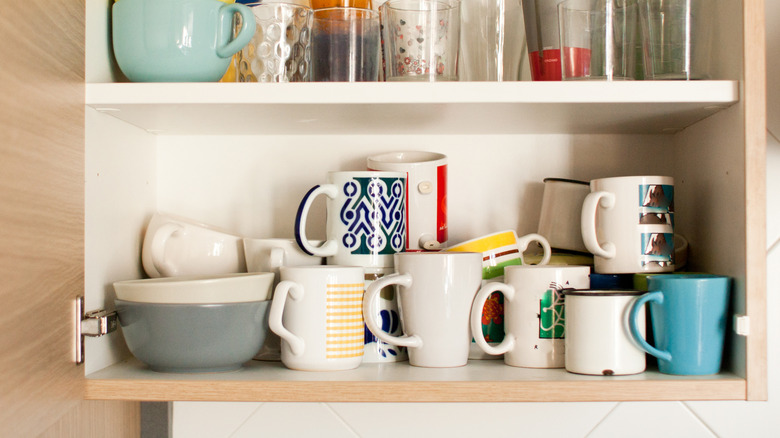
<point>241,156</point>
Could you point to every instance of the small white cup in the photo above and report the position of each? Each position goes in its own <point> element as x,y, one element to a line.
<point>598,340</point>
<point>533,313</point>
<point>175,246</point>
<point>317,312</point>
<point>426,195</point>
<point>435,292</point>
<point>268,255</point>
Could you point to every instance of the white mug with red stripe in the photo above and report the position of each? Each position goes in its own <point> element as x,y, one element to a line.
<point>317,312</point>
<point>426,195</point>
<point>435,292</point>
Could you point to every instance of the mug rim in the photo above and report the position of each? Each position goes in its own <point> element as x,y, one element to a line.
<point>630,177</point>
<point>567,180</point>
<point>398,157</point>
<point>602,292</point>
<point>440,253</point>
<point>369,173</point>
<point>680,276</point>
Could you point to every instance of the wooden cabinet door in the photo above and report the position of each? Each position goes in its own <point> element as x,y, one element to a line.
<point>42,223</point>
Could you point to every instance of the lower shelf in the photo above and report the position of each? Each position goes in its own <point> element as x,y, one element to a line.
<point>479,381</point>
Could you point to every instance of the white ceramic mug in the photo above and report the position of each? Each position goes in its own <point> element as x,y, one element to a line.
<point>499,250</point>
<point>533,313</point>
<point>426,195</point>
<point>598,339</point>
<point>365,222</point>
<point>175,246</point>
<point>559,219</point>
<point>386,312</point>
<point>268,255</point>
<point>435,292</point>
<point>628,224</point>
<point>317,312</point>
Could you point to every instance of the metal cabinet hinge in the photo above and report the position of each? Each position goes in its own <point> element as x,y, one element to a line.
<point>94,324</point>
<point>742,325</point>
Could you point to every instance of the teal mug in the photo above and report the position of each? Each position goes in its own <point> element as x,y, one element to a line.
<point>688,313</point>
<point>178,40</point>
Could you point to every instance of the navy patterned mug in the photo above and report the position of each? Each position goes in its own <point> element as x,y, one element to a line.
<point>365,219</point>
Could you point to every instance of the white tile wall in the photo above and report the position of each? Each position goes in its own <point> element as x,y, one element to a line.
<point>594,420</point>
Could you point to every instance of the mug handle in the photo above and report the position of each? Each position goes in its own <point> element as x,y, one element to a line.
<point>276,259</point>
<point>159,240</point>
<point>476,318</point>
<point>523,242</point>
<point>369,300</point>
<point>245,34</point>
<point>330,247</point>
<point>655,296</point>
<point>588,223</point>
<point>295,291</point>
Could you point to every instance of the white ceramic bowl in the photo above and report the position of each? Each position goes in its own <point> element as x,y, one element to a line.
<point>200,289</point>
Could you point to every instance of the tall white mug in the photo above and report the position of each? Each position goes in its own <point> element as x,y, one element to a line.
<point>317,312</point>
<point>534,317</point>
<point>435,292</point>
<point>426,195</point>
<point>628,224</point>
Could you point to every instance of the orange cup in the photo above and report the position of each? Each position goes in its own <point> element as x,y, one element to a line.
<point>322,4</point>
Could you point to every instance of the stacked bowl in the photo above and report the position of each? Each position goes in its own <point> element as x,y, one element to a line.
<point>194,324</point>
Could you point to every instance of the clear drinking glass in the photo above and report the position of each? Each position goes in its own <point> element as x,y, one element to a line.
<point>597,39</point>
<point>280,50</point>
<point>345,45</point>
<point>676,36</point>
<point>492,40</point>
<point>421,39</point>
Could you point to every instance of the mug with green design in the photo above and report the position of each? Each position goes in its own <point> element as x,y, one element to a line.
<point>499,250</point>
<point>534,313</point>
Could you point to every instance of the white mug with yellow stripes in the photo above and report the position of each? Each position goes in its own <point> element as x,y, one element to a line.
<point>317,312</point>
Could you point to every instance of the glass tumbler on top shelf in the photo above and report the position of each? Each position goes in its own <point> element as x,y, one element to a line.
<point>421,40</point>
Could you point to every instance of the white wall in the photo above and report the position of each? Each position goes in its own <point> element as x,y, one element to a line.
<point>634,419</point>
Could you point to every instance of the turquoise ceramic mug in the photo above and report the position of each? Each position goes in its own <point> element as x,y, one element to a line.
<point>688,313</point>
<point>178,40</point>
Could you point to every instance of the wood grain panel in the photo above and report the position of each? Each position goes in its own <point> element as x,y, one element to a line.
<point>98,419</point>
<point>41,220</point>
<point>755,190</point>
<point>431,391</point>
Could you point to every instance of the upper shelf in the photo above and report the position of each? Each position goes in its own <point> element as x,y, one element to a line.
<point>636,107</point>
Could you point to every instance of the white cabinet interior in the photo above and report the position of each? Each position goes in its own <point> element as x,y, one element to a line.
<point>241,156</point>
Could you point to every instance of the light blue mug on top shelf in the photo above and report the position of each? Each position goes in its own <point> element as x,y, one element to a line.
<point>178,40</point>
<point>688,313</point>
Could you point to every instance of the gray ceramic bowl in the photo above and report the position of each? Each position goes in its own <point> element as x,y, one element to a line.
<point>194,338</point>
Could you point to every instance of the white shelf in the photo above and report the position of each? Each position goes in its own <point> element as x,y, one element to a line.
<point>480,380</point>
<point>413,108</point>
